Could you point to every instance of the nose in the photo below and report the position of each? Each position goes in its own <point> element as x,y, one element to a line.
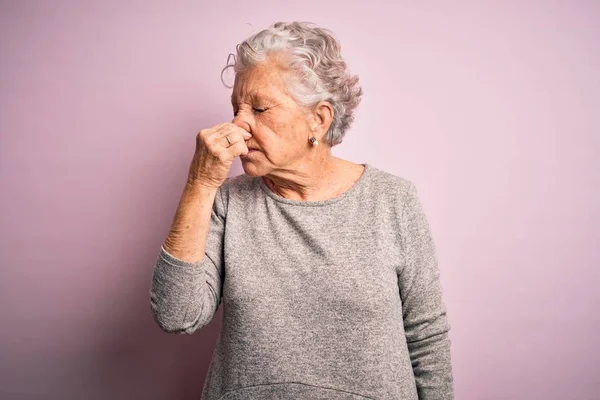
<point>242,122</point>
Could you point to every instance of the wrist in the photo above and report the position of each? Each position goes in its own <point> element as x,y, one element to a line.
<point>197,186</point>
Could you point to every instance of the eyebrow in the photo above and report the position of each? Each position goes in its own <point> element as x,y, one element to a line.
<point>253,96</point>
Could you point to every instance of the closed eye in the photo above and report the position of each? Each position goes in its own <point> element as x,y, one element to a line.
<point>256,110</point>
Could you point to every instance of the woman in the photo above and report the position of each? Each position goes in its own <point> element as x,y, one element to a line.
<point>326,268</point>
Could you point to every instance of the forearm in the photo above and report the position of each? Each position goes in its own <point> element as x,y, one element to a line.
<point>189,231</point>
<point>184,296</point>
<point>187,281</point>
<point>432,367</point>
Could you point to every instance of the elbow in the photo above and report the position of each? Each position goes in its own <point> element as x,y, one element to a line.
<point>171,321</point>
<point>167,324</point>
<point>428,328</point>
<point>166,321</point>
<point>181,309</point>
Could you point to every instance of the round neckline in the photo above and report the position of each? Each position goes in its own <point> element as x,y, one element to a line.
<point>312,203</point>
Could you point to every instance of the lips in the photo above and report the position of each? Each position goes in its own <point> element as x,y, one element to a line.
<point>251,150</point>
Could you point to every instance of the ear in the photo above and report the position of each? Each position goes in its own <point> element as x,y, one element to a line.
<point>322,119</point>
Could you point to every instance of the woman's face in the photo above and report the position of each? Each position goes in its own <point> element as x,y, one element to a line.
<point>280,128</point>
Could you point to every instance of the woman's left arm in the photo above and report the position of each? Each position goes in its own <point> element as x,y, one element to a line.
<point>423,309</point>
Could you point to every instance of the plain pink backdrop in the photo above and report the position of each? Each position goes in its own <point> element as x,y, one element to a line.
<point>490,107</point>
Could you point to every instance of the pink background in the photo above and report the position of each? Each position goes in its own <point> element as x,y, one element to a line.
<point>490,108</point>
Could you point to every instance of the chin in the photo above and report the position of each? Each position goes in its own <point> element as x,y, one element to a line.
<point>252,168</point>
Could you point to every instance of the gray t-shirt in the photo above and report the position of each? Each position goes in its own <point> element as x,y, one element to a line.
<point>333,299</point>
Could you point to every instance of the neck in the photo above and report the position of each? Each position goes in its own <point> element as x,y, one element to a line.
<point>310,180</point>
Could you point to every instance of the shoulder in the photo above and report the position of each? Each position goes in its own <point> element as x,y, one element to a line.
<point>399,200</point>
<point>389,187</point>
<point>239,186</point>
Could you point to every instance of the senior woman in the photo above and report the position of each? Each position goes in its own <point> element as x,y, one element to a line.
<point>326,268</point>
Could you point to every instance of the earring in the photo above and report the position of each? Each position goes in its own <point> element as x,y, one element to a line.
<point>314,141</point>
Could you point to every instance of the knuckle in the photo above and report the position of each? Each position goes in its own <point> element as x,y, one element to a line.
<point>239,133</point>
<point>211,150</point>
<point>203,138</point>
<point>209,140</point>
<point>241,148</point>
<point>226,130</point>
<point>223,156</point>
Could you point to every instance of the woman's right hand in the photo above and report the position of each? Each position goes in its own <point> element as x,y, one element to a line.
<point>214,155</point>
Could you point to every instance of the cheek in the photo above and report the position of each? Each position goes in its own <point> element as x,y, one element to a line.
<point>280,138</point>
<point>270,133</point>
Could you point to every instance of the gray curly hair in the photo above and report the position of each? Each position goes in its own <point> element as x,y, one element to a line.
<point>321,74</point>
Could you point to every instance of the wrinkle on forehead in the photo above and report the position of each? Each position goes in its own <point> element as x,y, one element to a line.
<point>262,82</point>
